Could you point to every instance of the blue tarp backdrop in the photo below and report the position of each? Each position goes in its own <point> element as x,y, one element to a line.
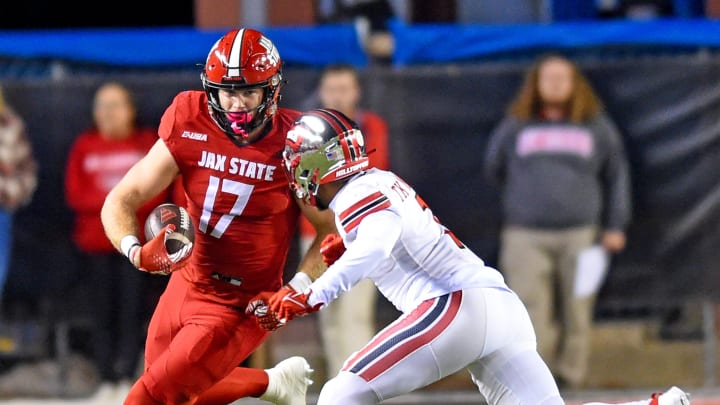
<point>157,47</point>
<point>422,44</point>
<point>320,45</point>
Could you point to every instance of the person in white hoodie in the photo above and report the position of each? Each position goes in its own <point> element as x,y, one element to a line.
<point>457,312</point>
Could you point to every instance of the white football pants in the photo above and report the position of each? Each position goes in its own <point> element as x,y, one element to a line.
<point>485,330</point>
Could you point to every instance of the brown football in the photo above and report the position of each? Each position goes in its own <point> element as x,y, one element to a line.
<point>165,214</point>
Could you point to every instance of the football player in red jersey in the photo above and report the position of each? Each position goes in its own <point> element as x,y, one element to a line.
<point>226,142</point>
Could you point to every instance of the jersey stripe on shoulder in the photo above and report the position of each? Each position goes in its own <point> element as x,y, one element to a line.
<point>351,217</point>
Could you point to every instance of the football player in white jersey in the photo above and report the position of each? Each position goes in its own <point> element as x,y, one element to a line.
<point>457,313</point>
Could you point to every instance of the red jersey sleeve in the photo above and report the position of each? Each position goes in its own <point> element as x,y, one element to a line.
<point>167,121</point>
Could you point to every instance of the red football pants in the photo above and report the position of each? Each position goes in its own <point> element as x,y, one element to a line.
<point>193,343</point>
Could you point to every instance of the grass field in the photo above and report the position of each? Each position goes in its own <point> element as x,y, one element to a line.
<point>698,397</point>
<point>625,356</point>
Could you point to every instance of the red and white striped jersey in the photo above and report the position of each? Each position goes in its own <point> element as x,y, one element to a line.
<point>393,238</point>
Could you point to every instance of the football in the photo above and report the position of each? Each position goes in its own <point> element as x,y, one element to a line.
<point>165,214</point>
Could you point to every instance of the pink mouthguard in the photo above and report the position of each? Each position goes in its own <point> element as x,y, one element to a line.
<point>237,119</point>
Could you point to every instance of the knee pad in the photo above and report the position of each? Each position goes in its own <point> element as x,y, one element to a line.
<point>348,389</point>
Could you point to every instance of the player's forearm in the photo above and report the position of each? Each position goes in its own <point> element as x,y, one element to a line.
<point>324,223</point>
<point>312,263</point>
<point>119,217</point>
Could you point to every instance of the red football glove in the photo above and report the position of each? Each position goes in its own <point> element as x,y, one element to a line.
<point>260,309</point>
<point>153,256</point>
<point>275,301</point>
<point>299,282</point>
<point>294,305</point>
<point>331,248</point>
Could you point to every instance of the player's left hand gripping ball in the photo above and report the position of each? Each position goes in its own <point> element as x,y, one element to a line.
<point>170,234</point>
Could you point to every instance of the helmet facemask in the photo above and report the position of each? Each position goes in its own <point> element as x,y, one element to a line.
<point>242,123</point>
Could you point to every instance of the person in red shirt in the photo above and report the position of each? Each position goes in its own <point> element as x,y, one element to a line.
<point>98,159</point>
<point>226,142</point>
<point>349,322</point>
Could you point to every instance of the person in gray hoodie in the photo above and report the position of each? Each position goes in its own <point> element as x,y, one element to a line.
<point>560,163</point>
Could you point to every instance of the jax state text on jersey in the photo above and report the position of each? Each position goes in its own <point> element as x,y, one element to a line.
<point>242,167</point>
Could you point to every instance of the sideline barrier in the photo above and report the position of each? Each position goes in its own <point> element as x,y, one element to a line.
<point>323,44</point>
<point>444,43</point>
<point>161,47</point>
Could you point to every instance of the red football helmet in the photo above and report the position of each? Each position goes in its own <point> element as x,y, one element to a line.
<point>242,59</point>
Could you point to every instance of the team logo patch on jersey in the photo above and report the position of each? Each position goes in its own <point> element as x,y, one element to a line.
<point>351,217</point>
<point>195,136</point>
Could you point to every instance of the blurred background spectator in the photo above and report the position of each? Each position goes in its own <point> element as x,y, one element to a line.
<point>18,180</point>
<point>371,18</point>
<point>561,165</point>
<point>118,293</point>
<point>646,9</point>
